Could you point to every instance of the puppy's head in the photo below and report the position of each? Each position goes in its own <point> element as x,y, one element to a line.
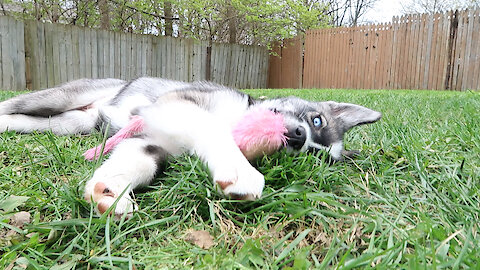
<point>320,125</point>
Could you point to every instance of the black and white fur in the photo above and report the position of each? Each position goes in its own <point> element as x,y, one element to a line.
<point>180,117</point>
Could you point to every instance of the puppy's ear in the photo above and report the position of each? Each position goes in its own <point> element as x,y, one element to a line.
<point>351,115</point>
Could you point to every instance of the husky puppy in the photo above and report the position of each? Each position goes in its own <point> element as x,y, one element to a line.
<point>179,117</point>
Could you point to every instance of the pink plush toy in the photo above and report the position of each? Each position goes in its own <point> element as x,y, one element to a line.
<point>133,127</point>
<point>259,132</point>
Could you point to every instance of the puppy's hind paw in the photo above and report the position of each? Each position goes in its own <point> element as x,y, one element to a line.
<point>105,197</point>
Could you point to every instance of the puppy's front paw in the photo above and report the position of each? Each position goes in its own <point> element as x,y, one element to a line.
<point>105,196</point>
<point>244,183</point>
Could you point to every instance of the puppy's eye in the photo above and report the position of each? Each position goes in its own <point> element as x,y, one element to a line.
<point>317,121</point>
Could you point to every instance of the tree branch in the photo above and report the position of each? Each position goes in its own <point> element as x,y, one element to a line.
<point>146,13</point>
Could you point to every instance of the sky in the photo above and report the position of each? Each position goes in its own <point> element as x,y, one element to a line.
<point>384,10</point>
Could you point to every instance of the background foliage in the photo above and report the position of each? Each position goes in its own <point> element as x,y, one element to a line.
<point>236,21</point>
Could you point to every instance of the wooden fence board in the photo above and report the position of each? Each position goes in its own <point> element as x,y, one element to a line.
<point>400,53</point>
<point>475,75</point>
<point>69,46</point>
<point>321,65</point>
<point>333,48</point>
<point>412,52</point>
<point>248,71</point>
<point>244,65</point>
<point>373,57</point>
<point>386,56</point>
<point>462,45</point>
<point>249,82</point>
<point>19,62</point>
<point>444,50</point>
<point>80,54</point>
<point>236,60</point>
<point>231,64</point>
<point>420,52</point>
<point>96,61</point>
<point>315,58</point>
<point>113,61</point>
<point>341,60</point>
<point>7,34</point>
<point>101,57</point>
<point>321,68</point>
<point>241,64</point>
<point>468,45</point>
<point>134,54</point>
<point>30,54</point>
<point>42,80</point>
<point>55,42</point>
<point>307,70</point>
<point>140,55</point>
<point>437,77</point>
<point>432,53</point>
<point>355,62</point>
<point>88,53</point>
<point>259,59</point>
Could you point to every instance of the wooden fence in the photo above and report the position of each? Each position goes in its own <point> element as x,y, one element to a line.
<point>439,51</point>
<point>37,55</point>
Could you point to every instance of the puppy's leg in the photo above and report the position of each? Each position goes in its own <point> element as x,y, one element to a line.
<point>134,162</point>
<point>71,122</point>
<point>190,127</point>
<point>63,98</point>
<point>65,109</point>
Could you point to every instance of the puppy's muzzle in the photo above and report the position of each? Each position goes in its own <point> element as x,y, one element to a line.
<point>296,137</point>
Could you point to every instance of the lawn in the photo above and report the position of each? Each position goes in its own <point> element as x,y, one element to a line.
<point>410,200</point>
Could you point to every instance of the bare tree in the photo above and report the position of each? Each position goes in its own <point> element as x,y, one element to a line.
<point>348,12</point>
<point>473,3</point>
<point>434,6</point>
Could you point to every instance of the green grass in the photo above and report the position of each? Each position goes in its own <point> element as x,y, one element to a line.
<point>410,200</point>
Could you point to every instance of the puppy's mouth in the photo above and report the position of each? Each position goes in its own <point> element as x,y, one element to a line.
<point>294,143</point>
<point>296,137</point>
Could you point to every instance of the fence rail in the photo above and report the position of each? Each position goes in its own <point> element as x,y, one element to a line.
<point>37,55</point>
<point>435,51</point>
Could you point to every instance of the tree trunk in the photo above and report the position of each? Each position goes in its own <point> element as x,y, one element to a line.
<point>168,18</point>
<point>104,14</point>
<point>55,14</point>
<point>232,24</point>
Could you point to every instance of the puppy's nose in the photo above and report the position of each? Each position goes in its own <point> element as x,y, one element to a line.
<point>296,137</point>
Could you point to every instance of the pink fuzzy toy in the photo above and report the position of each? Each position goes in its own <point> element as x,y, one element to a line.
<point>259,132</point>
<point>134,126</point>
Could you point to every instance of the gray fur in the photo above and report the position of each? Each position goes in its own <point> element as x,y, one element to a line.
<point>53,101</point>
